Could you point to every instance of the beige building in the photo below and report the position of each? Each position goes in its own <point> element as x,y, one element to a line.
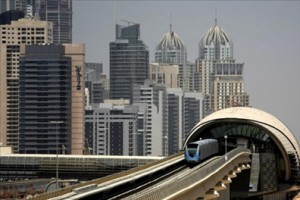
<point>77,54</point>
<point>164,74</point>
<point>229,86</point>
<point>13,36</point>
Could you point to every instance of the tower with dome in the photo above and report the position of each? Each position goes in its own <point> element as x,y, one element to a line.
<point>220,77</point>
<point>171,49</point>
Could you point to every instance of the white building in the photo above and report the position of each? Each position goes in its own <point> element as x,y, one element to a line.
<point>154,96</point>
<point>171,49</point>
<point>112,129</point>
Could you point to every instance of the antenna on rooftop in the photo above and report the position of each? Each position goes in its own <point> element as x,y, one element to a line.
<point>216,11</point>
<point>114,13</point>
<point>170,23</point>
<point>128,22</point>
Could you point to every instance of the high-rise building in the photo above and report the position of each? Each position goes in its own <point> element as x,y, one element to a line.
<point>129,61</point>
<point>165,74</point>
<point>112,130</point>
<point>51,90</point>
<point>188,77</point>
<point>27,6</point>
<point>12,15</point>
<point>22,32</point>
<point>171,49</point>
<point>59,12</point>
<point>215,48</point>
<point>184,110</point>
<point>155,138</point>
<point>193,109</point>
<point>93,71</point>
<point>96,84</point>
<point>6,5</point>
<point>229,88</point>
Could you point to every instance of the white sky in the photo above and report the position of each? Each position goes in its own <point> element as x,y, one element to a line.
<point>265,34</point>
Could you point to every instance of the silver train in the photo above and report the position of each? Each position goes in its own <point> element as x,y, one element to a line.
<point>199,150</point>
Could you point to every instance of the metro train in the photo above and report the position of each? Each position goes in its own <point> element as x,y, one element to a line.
<point>197,151</point>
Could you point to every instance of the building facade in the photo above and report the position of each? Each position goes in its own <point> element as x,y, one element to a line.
<point>164,74</point>
<point>12,15</point>
<point>154,96</point>
<point>59,12</point>
<point>215,48</point>
<point>129,61</point>
<point>171,49</point>
<point>184,110</point>
<point>112,129</point>
<point>51,91</point>
<point>96,84</point>
<point>13,36</point>
<point>229,88</point>
<point>6,5</point>
<point>188,78</point>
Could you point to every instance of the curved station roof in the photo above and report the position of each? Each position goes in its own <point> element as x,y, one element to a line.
<point>253,124</point>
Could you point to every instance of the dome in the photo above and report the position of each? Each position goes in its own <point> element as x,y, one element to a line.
<point>215,35</point>
<point>212,44</point>
<point>268,128</point>
<point>170,41</point>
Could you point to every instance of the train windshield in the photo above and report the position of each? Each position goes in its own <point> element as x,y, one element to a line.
<point>192,148</point>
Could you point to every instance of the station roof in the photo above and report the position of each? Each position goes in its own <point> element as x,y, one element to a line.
<point>263,125</point>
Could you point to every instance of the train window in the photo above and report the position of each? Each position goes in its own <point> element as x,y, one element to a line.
<point>192,148</point>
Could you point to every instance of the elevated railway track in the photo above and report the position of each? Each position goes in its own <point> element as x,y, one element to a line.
<point>167,178</point>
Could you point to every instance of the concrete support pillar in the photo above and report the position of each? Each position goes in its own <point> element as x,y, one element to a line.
<point>211,194</point>
<point>232,174</point>
<point>220,186</point>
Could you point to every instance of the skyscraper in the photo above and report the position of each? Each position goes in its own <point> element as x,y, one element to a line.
<point>13,36</point>
<point>216,48</point>
<point>59,12</point>
<point>11,15</point>
<point>45,77</point>
<point>111,130</point>
<point>6,5</point>
<point>184,110</point>
<point>171,49</point>
<point>96,84</point>
<point>164,74</point>
<point>228,84</point>
<point>155,135</point>
<point>52,89</point>
<point>129,61</point>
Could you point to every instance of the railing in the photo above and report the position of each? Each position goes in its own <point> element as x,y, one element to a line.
<point>104,179</point>
<point>198,175</point>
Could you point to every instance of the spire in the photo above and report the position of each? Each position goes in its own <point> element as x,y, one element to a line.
<point>170,23</point>
<point>216,16</point>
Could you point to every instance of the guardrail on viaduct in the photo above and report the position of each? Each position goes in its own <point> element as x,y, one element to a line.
<point>195,185</point>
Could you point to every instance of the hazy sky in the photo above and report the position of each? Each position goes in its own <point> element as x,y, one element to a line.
<point>265,35</point>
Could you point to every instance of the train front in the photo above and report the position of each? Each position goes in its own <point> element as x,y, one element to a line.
<point>192,153</point>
